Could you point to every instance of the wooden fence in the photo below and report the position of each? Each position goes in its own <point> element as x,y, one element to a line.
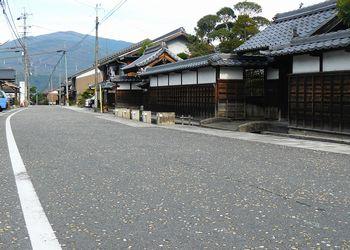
<point>320,101</point>
<point>195,100</point>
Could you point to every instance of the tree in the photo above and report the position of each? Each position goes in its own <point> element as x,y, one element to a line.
<point>344,11</point>
<point>32,92</point>
<point>206,26</point>
<point>87,94</point>
<point>229,45</point>
<point>146,44</point>
<point>248,8</point>
<point>229,28</point>
<point>226,16</point>
<point>198,47</point>
<point>35,95</point>
<point>248,22</point>
<point>183,56</point>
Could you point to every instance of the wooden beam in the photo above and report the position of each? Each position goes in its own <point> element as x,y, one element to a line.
<point>315,54</point>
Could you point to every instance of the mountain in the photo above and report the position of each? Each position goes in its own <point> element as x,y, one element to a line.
<point>80,55</point>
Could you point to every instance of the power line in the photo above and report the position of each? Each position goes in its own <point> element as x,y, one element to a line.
<point>11,25</point>
<point>13,22</point>
<point>116,8</point>
<point>108,15</point>
<point>53,71</point>
<point>31,55</point>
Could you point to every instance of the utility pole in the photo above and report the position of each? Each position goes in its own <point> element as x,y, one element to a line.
<point>66,77</point>
<point>60,89</point>
<point>96,63</point>
<point>24,17</point>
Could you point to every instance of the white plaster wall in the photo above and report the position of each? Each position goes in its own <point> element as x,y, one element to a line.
<point>207,75</point>
<point>163,80</point>
<point>89,73</point>
<point>175,79</point>
<point>178,46</point>
<point>306,64</point>
<point>273,74</point>
<point>231,73</point>
<point>336,60</point>
<point>154,82</point>
<point>189,77</point>
<point>124,86</point>
<point>135,87</point>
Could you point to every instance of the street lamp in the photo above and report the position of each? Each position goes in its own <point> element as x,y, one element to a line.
<point>66,74</point>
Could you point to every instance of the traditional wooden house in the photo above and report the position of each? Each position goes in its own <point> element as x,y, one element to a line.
<point>208,86</point>
<point>81,81</point>
<point>120,70</point>
<point>8,83</point>
<point>311,51</point>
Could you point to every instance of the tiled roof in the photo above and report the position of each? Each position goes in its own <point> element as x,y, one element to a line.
<point>304,21</point>
<point>333,40</point>
<point>7,74</point>
<point>216,59</point>
<point>149,56</point>
<point>119,53</point>
<point>118,79</point>
<point>183,65</point>
<point>175,33</point>
<point>108,85</point>
<point>81,72</point>
<point>171,35</point>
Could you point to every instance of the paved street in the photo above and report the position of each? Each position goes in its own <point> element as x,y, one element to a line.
<point>107,185</point>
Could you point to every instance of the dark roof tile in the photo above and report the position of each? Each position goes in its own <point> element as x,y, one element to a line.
<point>306,21</point>
<point>216,59</point>
<point>333,40</point>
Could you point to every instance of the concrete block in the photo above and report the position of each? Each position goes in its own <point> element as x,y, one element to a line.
<point>147,117</point>
<point>135,115</point>
<point>126,114</point>
<point>166,118</point>
<point>118,113</point>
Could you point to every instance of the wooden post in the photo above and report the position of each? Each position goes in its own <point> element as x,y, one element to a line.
<point>332,100</point>
<point>115,95</point>
<point>305,99</point>
<point>341,104</point>
<point>313,101</point>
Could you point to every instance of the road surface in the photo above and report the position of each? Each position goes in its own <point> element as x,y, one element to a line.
<point>108,185</point>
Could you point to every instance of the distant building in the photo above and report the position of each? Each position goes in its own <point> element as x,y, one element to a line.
<point>52,97</point>
<point>8,84</point>
<point>121,70</point>
<point>111,70</point>
<point>81,81</point>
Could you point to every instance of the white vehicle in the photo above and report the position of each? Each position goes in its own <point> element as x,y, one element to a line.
<point>89,103</point>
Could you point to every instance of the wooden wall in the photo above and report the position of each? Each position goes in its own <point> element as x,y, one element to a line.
<point>128,98</point>
<point>231,99</point>
<point>320,101</point>
<point>195,100</point>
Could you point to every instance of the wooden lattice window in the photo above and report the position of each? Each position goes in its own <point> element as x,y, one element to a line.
<point>254,82</point>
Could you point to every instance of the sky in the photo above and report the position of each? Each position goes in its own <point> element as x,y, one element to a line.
<point>133,22</point>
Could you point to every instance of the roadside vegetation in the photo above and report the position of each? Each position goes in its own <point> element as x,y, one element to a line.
<point>36,96</point>
<point>84,96</point>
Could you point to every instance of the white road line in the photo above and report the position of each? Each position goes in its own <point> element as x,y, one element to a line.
<point>41,235</point>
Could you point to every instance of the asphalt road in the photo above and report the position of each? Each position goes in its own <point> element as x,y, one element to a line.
<point>105,185</point>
